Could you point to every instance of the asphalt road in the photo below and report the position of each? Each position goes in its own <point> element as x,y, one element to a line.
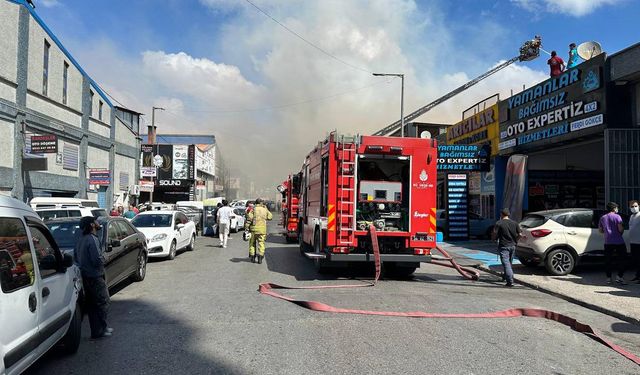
<point>202,314</point>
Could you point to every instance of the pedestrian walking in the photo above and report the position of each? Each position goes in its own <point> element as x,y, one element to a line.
<point>556,64</point>
<point>90,260</point>
<point>614,247</point>
<point>507,232</point>
<point>634,237</point>
<point>223,217</point>
<point>574,59</point>
<point>257,223</point>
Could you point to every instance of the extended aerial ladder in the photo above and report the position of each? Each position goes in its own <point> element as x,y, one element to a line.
<point>528,51</point>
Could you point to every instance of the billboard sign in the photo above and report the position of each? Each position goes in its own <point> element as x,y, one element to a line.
<point>178,161</point>
<point>457,206</point>
<point>562,108</point>
<point>481,129</point>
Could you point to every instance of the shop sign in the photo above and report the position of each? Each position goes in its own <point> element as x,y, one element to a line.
<point>44,144</point>
<point>99,177</point>
<point>457,206</point>
<point>557,109</point>
<point>146,186</point>
<point>148,171</point>
<point>200,185</point>
<point>171,183</point>
<point>480,129</point>
<point>464,158</point>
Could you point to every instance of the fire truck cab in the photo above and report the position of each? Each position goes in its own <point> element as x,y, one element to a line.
<point>350,182</point>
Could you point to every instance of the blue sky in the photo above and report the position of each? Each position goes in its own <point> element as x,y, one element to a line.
<point>221,67</point>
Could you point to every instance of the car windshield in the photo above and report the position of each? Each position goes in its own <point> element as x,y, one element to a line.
<point>152,220</point>
<point>532,221</point>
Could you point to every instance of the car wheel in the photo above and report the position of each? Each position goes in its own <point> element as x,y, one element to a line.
<point>141,269</point>
<point>172,251</point>
<point>192,243</point>
<point>71,340</point>
<point>560,262</point>
<point>235,228</point>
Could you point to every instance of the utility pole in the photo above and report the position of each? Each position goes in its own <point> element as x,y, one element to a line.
<point>153,140</point>
<point>401,96</point>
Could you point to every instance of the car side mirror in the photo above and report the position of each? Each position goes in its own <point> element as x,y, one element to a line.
<point>179,226</point>
<point>67,260</point>
<point>49,262</point>
<point>112,244</point>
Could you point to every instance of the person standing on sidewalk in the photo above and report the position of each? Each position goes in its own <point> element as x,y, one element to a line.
<point>634,237</point>
<point>507,232</point>
<point>90,260</point>
<point>611,226</point>
<point>224,222</point>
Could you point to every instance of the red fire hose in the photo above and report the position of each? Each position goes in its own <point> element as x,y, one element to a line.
<point>269,289</point>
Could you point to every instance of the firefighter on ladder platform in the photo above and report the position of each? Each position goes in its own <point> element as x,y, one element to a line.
<point>256,223</point>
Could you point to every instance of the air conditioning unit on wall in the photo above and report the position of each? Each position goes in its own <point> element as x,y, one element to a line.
<point>134,189</point>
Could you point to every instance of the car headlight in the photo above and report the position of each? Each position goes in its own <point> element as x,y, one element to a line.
<point>159,237</point>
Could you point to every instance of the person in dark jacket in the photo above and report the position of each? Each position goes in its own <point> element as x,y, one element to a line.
<point>89,259</point>
<point>507,232</point>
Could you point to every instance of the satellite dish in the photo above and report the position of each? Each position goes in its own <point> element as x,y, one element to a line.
<point>425,134</point>
<point>587,50</point>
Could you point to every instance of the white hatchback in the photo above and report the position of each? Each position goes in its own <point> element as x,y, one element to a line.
<point>166,232</point>
<point>561,238</point>
<point>39,298</point>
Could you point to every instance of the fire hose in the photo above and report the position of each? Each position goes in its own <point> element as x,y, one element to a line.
<point>269,290</point>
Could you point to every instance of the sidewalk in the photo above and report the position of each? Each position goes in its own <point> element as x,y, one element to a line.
<point>586,286</point>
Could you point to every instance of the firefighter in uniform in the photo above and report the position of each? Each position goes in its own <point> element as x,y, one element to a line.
<point>257,223</point>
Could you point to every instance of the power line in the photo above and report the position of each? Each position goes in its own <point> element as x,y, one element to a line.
<point>308,42</point>
<point>307,101</point>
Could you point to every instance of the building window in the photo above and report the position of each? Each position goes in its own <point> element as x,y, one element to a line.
<point>65,77</point>
<point>91,106</point>
<point>100,110</point>
<point>45,68</point>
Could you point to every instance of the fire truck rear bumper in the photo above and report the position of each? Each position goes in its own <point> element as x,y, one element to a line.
<point>383,257</point>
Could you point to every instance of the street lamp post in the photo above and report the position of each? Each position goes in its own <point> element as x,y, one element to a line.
<point>155,140</point>
<point>401,96</point>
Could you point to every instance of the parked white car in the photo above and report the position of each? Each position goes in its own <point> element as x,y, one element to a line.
<point>238,218</point>
<point>40,291</point>
<point>166,232</point>
<point>560,239</point>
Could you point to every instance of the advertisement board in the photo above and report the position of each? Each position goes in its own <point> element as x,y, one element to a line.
<point>569,106</point>
<point>178,162</point>
<point>458,206</point>
<point>44,144</point>
<point>99,177</point>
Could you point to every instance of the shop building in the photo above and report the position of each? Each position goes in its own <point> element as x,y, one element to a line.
<point>559,125</point>
<point>60,131</point>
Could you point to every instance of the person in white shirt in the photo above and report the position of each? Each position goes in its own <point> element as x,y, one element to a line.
<point>634,237</point>
<point>224,223</point>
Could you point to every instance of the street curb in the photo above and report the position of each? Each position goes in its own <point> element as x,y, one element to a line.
<point>565,297</point>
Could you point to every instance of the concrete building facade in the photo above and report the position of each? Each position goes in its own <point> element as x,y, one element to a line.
<point>44,91</point>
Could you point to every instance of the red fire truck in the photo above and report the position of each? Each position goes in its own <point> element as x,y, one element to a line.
<point>290,190</point>
<point>349,183</point>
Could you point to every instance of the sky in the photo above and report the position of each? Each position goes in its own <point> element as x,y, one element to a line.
<point>270,86</point>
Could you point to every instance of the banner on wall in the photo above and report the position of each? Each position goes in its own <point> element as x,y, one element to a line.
<point>514,183</point>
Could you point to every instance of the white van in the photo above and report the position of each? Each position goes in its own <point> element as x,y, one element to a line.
<point>55,208</point>
<point>39,290</point>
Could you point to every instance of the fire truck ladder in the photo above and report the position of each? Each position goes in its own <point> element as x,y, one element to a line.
<point>346,214</point>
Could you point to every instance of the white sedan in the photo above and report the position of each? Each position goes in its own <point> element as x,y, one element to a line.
<point>166,232</point>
